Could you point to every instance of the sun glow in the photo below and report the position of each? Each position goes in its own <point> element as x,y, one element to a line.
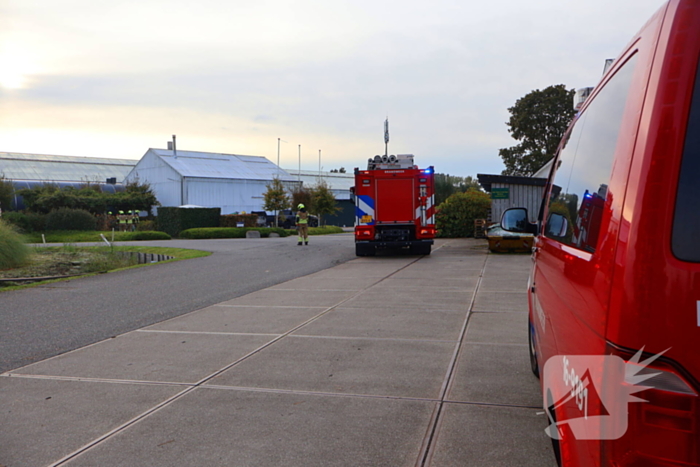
<point>16,67</point>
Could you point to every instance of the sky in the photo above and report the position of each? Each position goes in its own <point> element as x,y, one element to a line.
<point>112,79</point>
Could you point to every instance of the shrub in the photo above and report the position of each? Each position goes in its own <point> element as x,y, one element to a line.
<point>37,221</point>
<point>328,229</point>
<point>13,251</point>
<point>229,232</point>
<point>455,217</point>
<point>144,235</point>
<point>70,219</point>
<point>26,222</point>
<point>17,219</point>
<point>174,220</point>
<point>145,225</point>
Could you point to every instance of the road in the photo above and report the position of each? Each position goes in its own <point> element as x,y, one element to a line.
<point>48,320</point>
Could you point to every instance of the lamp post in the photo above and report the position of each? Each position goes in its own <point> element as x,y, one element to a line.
<point>299,174</point>
<point>279,140</point>
<point>319,163</point>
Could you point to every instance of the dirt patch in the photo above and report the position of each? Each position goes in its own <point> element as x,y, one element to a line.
<point>46,262</point>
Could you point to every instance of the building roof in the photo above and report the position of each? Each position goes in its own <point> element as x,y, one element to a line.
<point>336,181</point>
<point>42,167</point>
<point>225,166</point>
<point>485,180</point>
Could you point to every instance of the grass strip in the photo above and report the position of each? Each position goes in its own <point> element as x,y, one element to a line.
<point>78,236</point>
<point>109,264</point>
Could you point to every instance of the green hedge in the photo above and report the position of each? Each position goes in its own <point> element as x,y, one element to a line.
<point>70,219</point>
<point>27,223</point>
<point>329,229</point>
<point>455,217</point>
<point>175,220</point>
<point>141,235</point>
<point>229,232</point>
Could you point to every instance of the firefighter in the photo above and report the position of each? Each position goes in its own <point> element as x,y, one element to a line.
<point>122,221</point>
<point>302,221</point>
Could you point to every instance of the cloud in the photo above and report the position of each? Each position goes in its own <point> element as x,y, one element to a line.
<point>238,75</point>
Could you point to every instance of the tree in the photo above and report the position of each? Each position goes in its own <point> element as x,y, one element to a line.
<point>276,198</point>
<point>48,197</point>
<point>7,191</point>
<point>322,200</point>
<point>446,185</point>
<point>301,195</point>
<point>538,120</point>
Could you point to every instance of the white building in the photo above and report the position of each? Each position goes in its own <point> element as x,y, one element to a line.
<point>231,182</point>
<point>338,183</point>
<point>508,191</point>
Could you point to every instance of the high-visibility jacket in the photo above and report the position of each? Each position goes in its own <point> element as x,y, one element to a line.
<point>302,217</point>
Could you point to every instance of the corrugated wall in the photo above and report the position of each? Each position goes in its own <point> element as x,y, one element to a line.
<point>230,195</point>
<point>164,180</point>
<point>521,196</point>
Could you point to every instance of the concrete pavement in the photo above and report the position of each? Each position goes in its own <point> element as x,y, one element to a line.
<point>384,361</point>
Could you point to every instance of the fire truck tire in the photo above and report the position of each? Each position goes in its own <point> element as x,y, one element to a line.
<point>420,250</point>
<point>364,250</point>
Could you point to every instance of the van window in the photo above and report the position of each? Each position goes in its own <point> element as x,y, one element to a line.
<point>585,163</point>
<point>686,222</point>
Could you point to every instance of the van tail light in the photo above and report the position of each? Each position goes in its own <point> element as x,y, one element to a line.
<point>364,233</point>
<point>665,430</point>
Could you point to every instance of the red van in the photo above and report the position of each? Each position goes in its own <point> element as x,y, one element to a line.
<point>617,258</point>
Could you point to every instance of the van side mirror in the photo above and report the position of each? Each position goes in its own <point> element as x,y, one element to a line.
<point>557,225</point>
<point>515,220</point>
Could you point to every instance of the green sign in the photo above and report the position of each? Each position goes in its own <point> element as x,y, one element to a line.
<point>500,193</point>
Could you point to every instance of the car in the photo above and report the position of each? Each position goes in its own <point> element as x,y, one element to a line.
<point>287,219</point>
<point>614,293</point>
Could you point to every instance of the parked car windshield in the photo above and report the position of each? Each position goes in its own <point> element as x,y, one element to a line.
<point>686,223</point>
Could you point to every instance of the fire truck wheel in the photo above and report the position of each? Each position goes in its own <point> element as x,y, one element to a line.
<point>420,250</point>
<point>364,250</point>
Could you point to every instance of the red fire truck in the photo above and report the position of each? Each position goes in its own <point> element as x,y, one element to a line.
<point>394,206</point>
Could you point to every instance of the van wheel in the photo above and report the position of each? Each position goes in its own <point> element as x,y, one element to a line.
<point>534,366</point>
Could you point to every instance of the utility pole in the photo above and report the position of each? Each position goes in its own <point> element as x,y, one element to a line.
<point>299,174</point>
<point>319,162</point>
